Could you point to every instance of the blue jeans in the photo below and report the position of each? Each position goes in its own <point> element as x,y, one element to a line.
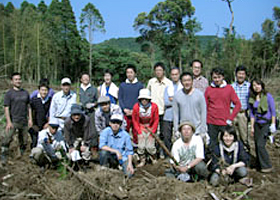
<point>239,173</point>
<point>200,169</point>
<point>109,159</point>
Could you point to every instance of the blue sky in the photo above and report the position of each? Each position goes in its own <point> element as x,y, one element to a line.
<point>119,15</point>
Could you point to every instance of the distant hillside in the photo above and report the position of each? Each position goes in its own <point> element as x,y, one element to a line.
<point>131,45</point>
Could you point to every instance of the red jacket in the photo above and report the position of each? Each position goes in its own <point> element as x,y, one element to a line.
<point>218,102</point>
<point>152,122</point>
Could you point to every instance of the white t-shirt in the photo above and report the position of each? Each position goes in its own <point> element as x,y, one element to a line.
<point>185,154</point>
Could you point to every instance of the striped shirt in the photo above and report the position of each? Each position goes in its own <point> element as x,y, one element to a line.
<point>242,92</point>
<point>200,83</point>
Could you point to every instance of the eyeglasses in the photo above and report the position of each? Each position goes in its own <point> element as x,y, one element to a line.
<point>116,122</point>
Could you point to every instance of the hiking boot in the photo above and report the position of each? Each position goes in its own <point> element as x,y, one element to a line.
<point>142,161</point>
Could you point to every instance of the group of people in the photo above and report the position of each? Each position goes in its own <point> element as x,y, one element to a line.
<point>196,121</point>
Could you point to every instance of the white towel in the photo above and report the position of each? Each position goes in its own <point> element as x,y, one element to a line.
<point>113,90</point>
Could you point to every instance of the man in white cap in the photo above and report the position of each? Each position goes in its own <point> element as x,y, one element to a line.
<point>80,134</point>
<point>104,111</point>
<point>50,143</point>
<point>62,102</point>
<point>116,147</point>
<point>189,153</point>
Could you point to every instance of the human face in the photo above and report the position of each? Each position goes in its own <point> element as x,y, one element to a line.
<point>76,117</point>
<point>241,76</point>
<point>105,107</point>
<point>159,72</point>
<point>196,67</point>
<point>187,82</point>
<point>107,78</point>
<point>130,74</point>
<point>85,79</point>
<point>257,87</point>
<point>228,139</point>
<point>175,75</point>
<point>66,88</point>
<point>218,79</point>
<point>43,91</point>
<point>144,102</point>
<point>186,132</point>
<point>52,130</point>
<point>115,126</point>
<point>16,81</point>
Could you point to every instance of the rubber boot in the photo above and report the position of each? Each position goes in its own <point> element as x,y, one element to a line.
<point>142,161</point>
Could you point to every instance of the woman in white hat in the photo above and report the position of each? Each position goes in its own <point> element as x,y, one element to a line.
<point>145,120</point>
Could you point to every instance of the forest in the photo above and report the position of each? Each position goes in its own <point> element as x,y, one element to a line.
<point>47,41</point>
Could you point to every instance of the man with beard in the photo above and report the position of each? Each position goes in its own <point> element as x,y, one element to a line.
<point>188,151</point>
<point>79,134</point>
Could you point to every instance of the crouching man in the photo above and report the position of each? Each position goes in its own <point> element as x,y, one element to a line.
<point>50,145</point>
<point>188,151</point>
<point>116,147</point>
<point>80,135</point>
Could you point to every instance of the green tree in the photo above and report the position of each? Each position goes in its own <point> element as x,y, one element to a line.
<point>170,26</point>
<point>92,20</point>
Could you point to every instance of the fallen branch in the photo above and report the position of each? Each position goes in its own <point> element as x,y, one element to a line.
<point>149,174</point>
<point>212,194</point>
<point>84,180</point>
<point>50,191</point>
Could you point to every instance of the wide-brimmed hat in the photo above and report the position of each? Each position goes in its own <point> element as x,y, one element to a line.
<point>144,94</point>
<point>186,123</point>
<point>66,81</point>
<point>103,99</point>
<point>76,109</point>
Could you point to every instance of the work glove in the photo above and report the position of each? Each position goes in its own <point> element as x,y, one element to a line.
<point>272,128</point>
<point>177,135</point>
<point>90,105</point>
<point>229,122</point>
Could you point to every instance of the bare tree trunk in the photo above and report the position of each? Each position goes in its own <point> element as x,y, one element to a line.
<point>232,16</point>
<point>15,43</point>
<point>21,55</point>
<point>90,49</point>
<point>180,61</point>
<point>38,53</point>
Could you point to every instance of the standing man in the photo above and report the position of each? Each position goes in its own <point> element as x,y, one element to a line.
<point>189,105</point>
<point>219,96</point>
<point>17,108</point>
<point>242,87</point>
<point>157,87</point>
<point>169,94</point>
<point>88,94</point>
<point>128,94</point>
<point>115,145</point>
<point>40,105</point>
<point>199,81</point>
<point>62,102</point>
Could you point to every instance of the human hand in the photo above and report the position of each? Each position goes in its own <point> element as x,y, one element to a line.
<point>9,126</point>
<point>71,150</point>
<point>230,169</point>
<point>30,123</point>
<point>130,168</point>
<point>119,155</point>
